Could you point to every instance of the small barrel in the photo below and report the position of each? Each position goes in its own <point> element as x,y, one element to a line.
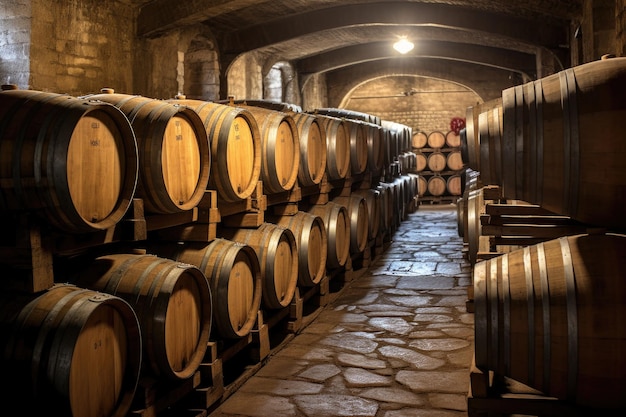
<point>277,251</point>
<point>234,275</point>
<point>172,301</point>
<point>436,139</point>
<point>312,242</point>
<point>453,184</point>
<point>235,141</point>
<point>280,148</point>
<point>359,220</point>
<point>337,147</point>
<point>419,140</point>
<point>337,223</point>
<point>69,349</point>
<point>421,161</point>
<point>436,161</point>
<point>453,139</point>
<point>454,161</point>
<point>313,151</point>
<point>436,185</point>
<point>551,317</point>
<point>174,154</point>
<point>72,160</point>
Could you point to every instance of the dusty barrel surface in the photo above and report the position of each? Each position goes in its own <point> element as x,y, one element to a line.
<point>550,316</point>
<point>312,242</point>
<point>313,151</point>
<point>70,349</point>
<point>234,276</point>
<point>235,139</point>
<point>280,148</point>
<point>174,154</point>
<point>277,252</point>
<point>172,301</point>
<point>72,160</point>
<point>337,222</point>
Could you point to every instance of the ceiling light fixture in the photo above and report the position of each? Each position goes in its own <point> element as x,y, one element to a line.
<point>403,45</point>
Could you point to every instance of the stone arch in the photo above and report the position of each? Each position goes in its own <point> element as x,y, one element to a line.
<point>279,83</point>
<point>201,69</point>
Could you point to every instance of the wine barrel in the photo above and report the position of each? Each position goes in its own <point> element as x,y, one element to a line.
<point>174,154</point>
<point>421,162</point>
<point>436,185</point>
<point>453,139</point>
<point>359,220</point>
<point>235,139</point>
<point>172,301</point>
<point>277,251</point>
<point>475,207</point>
<point>470,140</point>
<point>454,161</point>
<point>358,146</point>
<point>312,242</point>
<point>375,151</point>
<point>313,151</point>
<point>551,316</point>
<point>374,202</point>
<point>280,149</point>
<point>422,186</point>
<point>490,143</point>
<point>453,184</point>
<point>436,161</point>
<point>74,161</point>
<point>71,350</point>
<point>436,139</point>
<point>234,276</point>
<point>386,207</point>
<point>562,146</point>
<point>337,147</point>
<point>337,223</point>
<point>419,140</point>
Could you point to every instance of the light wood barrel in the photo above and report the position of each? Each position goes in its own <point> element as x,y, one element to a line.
<point>71,350</point>
<point>358,146</point>
<point>173,304</point>
<point>337,222</point>
<point>436,161</point>
<point>551,316</point>
<point>359,220</point>
<point>470,140</point>
<point>453,184</point>
<point>436,139</point>
<point>454,161</point>
<point>436,185</point>
<point>421,162</point>
<point>419,140</point>
<point>337,147</point>
<point>453,139</point>
<point>280,149</point>
<point>277,251</point>
<point>313,151</point>
<point>373,199</point>
<point>375,151</point>
<point>235,140</point>
<point>72,160</point>
<point>422,186</point>
<point>174,152</point>
<point>312,242</point>
<point>234,275</point>
<point>475,207</point>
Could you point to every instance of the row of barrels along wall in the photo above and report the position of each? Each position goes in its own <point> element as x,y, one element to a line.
<point>155,307</point>
<point>549,315</point>
<point>439,162</point>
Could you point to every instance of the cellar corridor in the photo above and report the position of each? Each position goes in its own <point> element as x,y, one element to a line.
<point>396,342</point>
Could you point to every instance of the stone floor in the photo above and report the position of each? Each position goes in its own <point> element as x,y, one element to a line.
<point>396,342</point>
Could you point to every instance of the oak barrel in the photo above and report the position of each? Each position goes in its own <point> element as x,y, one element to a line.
<point>277,252</point>
<point>234,276</point>
<point>312,242</point>
<point>470,140</point>
<point>358,146</point>
<point>337,223</point>
<point>280,148</point>
<point>235,139</point>
<point>337,147</point>
<point>436,161</point>
<point>313,151</point>
<point>375,151</point>
<point>436,139</point>
<point>551,316</point>
<point>373,200</point>
<point>419,140</point>
<point>174,152</point>
<point>359,220</point>
<point>172,301</point>
<point>72,160</point>
<point>453,139</point>
<point>71,350</point>
<point>436,185</point>
<point>421,161</point>
<point>453,184</point>
<point>454,161</point>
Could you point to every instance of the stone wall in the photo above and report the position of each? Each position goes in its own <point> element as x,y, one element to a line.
<point>15,23</point>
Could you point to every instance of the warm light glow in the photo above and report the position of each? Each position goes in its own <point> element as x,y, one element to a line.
<point>403,45</point>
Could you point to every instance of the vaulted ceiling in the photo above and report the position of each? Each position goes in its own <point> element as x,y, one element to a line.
<point>322,36</point>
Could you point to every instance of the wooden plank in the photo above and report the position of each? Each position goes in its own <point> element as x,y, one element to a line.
<point>498,209</point>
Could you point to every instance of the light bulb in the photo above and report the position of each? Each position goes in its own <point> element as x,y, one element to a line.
<point>403,45</point>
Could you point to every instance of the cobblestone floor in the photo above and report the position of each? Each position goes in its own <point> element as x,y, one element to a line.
<point>397,342</point>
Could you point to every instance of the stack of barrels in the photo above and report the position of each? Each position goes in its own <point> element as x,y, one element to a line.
<point>439,162</point>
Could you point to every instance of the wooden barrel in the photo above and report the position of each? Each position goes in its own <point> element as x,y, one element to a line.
<point>358,146</point>
<point>436,185</point>
<point>337,222</point>
<point>313,151</point>
<point>470,141</point>
<point>375,151</point>
<point>408,162</point>
<point>454,161</point>
<point>71,350</point>
<point>277,251</point>
<point>74,161</point>
<point>490,143</point>
<point>453,184</point>
<point>174,153</point>
<point>475,207</point>
<point>172,301</point>
<point>422,186</point>
<point>234,276</point>
<point>359,220</point>
<point>551,316</point>
<point>453,139</point>
<point>436,139</point>
<point>337,147</point>
<point>419,140</point>
<point>562,146</point>
<point>235,139</point>
<point>280,149</point>
<point>436,161</point>
<point>312,242</point>
<point>386,207</point>
<point>374,206</point>
<point>421,162</point>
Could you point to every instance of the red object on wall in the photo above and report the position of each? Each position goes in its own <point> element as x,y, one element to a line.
<point>456,124</point>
